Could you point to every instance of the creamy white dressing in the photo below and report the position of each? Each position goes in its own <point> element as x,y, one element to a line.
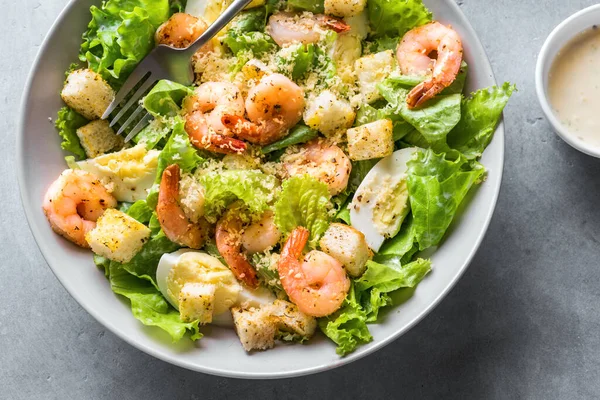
<point>574,86</point>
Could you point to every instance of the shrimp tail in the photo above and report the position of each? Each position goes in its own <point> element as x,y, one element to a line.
<point>335,24</point>
<point>227,238</point>
<point>245,129</point>
<point>171,217</point>
<point>202,138</point>
<point>294,246</point>
<point>423,92</point>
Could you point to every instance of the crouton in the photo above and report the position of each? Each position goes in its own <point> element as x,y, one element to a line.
<point>372,140</point>
<point>197,302</point>
<point>348,246</point>
<point>254,327</point>
<point>371,70</point>
<point>98,138</point>
<point>117,236</point>
<point>191,197</point>
<point>87,93</point>
<point>289,319</point>
<point>328,114</point>
<point>344,8</point>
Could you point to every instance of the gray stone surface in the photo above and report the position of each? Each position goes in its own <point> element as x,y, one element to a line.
<point>522,323</point>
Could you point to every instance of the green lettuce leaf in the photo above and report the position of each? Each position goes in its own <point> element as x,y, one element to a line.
<point>374,286</point>
<point>382,43</point>
<point>436,187</point>
<point>434,120</point>
<point>396,17</point>
<point>480,115</point>
<point>314,6</point>
<point>178,150</point>
<point>347,327</point>
<point>155,132</point>
<point>140,211</point>
<point>143,265</point>
<point>148,305</point>
<point>298,134</point>
<point>256,42</point>
<point>401,244</point>
<point>120,35</point>
<point>165,98</point>
<point>253,187</point>
<point>67,123</point>
<point>303,201</point>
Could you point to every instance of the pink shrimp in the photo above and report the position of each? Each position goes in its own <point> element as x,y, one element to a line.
<point>413,59</point>
<point>74,202</point>
<point>205,108</point>
<point>173,221</point>
<point>273,106</point>
<point>318,284</point>
<point>180,31</point>
<point>304,28</point>
<point>228,237</point>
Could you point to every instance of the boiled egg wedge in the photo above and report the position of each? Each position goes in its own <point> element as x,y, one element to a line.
<point>202,287</point>
<point>380,203</point>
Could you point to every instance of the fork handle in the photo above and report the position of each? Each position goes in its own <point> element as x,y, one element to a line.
<point>230,12</point>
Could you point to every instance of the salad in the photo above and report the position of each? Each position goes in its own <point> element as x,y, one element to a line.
<point>324,145</point>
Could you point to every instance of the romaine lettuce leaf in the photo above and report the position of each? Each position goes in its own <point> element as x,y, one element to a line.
<point>434,120</point>
<point>298,134</point>
<point>374,286</point>
<point>480,115</point>
<point>396,17</point>
<point>178,150</point>
<point>140,211</point>
<point>314,6</point>
<point>303,201</point>
<point>165,98</point>
<point>148,305</point>
<point>143,265</point>
<point>436,187</point>
<point>347,327</point>
<point>67,122</point>
<point>399,245</point>
<point>256,42</point>
<point>120,35</point>
<point>253,187</point>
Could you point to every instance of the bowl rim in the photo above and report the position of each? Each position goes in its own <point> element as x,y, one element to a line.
<point>543,61</point>
<point>475,44</point>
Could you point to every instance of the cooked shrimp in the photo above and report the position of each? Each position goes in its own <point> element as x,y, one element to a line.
<point>304,28</point>
<point>261,235</point>
<point>318,284</point>
<point>325,162</point>
<point>228,237</point>
<point>206,108</point>
<point>413,58</point>
<point>180,31</point>
<point>74,202</point>
<point>273,106</point>
<point>173,221</point>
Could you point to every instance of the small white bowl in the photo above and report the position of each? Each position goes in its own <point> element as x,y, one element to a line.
<point>560,36</point>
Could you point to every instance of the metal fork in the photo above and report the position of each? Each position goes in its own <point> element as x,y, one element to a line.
<point>163,62</point>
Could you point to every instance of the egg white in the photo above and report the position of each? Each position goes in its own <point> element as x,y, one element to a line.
<point>247,297</point>
<point>392,168</point>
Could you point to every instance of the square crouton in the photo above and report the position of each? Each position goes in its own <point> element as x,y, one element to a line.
<point>372,140</point>
<point>371,70</point>
<point>197,302</point>
<point>117,236</point>
<point>348,246</point>
<point>288,318</point>
<point>255,328</point>
<point>98,138</point>
<point>87,93</point>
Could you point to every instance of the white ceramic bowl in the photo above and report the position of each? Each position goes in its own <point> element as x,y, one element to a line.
<point>558,38</point>
<point>40,161</point>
